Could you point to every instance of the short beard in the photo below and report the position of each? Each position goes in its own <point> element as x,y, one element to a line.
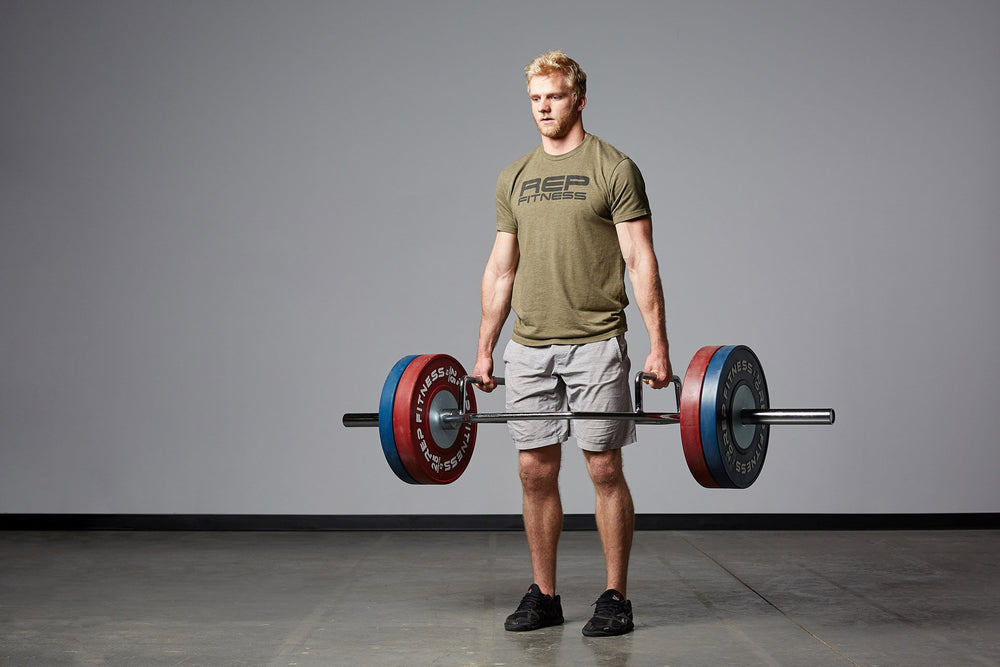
<point>559,130</point>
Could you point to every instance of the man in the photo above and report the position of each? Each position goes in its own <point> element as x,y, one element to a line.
<point>571,216</point>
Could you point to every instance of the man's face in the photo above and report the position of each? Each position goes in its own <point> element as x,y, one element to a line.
<point>552,105</point>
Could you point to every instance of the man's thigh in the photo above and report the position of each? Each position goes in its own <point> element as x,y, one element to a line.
<point>531,385</point>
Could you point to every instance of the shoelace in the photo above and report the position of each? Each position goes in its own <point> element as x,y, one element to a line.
<point>607,607</point>
<point>531,600</point>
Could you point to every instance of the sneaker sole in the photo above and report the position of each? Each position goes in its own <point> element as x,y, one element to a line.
<point>529,628</point>
<point>608,633</point>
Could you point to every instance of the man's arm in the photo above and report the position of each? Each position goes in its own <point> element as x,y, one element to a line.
<point>498,286</point>
<point>636,240</point>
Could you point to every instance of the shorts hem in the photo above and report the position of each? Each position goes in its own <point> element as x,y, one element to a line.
<point>594,447</point>
<point>538,444</point>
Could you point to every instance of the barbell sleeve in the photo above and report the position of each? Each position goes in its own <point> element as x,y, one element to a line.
<point>800,416</point>
<point>356,419</point>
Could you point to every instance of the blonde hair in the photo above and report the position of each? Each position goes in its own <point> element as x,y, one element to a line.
<point>554,62</point>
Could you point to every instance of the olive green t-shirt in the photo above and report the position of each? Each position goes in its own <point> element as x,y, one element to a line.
<point>569,287</point>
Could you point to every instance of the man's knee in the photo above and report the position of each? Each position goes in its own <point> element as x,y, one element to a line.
<point>605,468</point>
<point>539,468</point>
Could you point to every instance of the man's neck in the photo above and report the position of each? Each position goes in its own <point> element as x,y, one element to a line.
<point>564,145</point>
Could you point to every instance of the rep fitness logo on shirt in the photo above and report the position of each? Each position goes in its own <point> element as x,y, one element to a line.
<point>553,188</point>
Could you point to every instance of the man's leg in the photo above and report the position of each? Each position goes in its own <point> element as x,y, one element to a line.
<point>614,512</point>
<point>543,515</point>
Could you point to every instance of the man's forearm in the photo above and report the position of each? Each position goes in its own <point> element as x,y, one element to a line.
<point>490,327</point>
<point>648,290</point>
<point>496,297</point>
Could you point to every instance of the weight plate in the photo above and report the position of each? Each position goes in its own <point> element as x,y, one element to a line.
<point>385,430</point>
<point>690,409</point>
<point>431,453</point>
<point>734,451</point>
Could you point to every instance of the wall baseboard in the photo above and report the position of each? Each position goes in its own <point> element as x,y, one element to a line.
<point>491,522</point>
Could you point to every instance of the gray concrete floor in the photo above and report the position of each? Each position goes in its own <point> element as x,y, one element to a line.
<point>425,598</point>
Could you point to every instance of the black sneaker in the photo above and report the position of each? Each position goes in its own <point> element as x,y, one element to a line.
<point>536,610</point>
<point>613,616</point>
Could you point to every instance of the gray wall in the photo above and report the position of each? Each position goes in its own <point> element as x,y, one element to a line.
<point>221,223</point>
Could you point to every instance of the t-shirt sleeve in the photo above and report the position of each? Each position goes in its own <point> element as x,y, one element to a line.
<point>628,193</point>
<point>505,216</point>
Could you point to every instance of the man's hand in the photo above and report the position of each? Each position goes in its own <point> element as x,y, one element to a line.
<point>659,366</point>
<point>484,371</point>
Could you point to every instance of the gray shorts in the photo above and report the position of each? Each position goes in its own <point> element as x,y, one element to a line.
<point>592,377</point>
